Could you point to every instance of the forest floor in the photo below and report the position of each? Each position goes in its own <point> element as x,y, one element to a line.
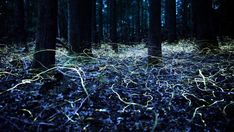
<point>119,92</point>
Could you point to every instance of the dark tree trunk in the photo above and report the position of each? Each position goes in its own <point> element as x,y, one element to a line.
<point>46,34</point>
<point>185,28</point>
<point>204,25</point>
<point>27,21</point>
<point>107,23</point>
<point>131,25</point>
<point>193,19</point>
<point>166,17</point>
<point>31,15</point>
<point>142,21</point>
<point>3,18</point>
<point>113,25</point>
<point>86,25</point>
<point>94,23</point>
<point>62,19</point>
<point>230,18</point>
<point>138,24</point>
<point>26,15</point>
<point>145,19</point>
<point>226,18</point>
<point>121,17</point>
<point>79,25</point>
<point>154,42</point>
<point>126,24</point>
<point>100,22</point>
<point>220,17</point>
<point>19,34</point>
<point>73,25</point>
<point>171,20</point>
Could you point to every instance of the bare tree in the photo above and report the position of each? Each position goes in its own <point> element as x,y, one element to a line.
<point>46,34</point>
<point>154,41</point>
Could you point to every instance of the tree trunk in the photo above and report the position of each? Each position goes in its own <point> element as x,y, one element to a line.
<point>19,34</point>
<point>154,41</point>
<point>226,16</point>
<point>185,28</point>
<point>113,25</point>
<point>73,25</point>
<point>138,24</point>
<point>204,25</point>
<point>100,22</point>
<point>79,25</point>
<point>94,23</point>
<point>27,21</point>
<point>26,15</point>
<point>193,19</point>
<point>86,25</point>
<point>62,19</point>
<point>46,34</point>
<point>171,20</point>
<point>3,17</point>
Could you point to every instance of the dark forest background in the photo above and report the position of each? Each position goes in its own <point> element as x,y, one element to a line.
<point>82,25</point>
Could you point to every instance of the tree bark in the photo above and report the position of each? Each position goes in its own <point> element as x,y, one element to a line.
<point>79,25</point>
<point>3,17</point>
<point>46,34</point>
<point>62,19</point>
<point>113,25</point>
<point>171,20</point>
<point>154,40</point>
<point>206,37</point>
<point>100,22</point>
<point>94,23</point>
<point>86,25</point>
<point>226,17</point>
<point>19,34</point>
<point>73,25</point>
<point>138,24</point>
<point>185,28</point>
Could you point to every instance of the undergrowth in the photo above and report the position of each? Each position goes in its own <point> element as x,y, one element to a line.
<point>119,91</point>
